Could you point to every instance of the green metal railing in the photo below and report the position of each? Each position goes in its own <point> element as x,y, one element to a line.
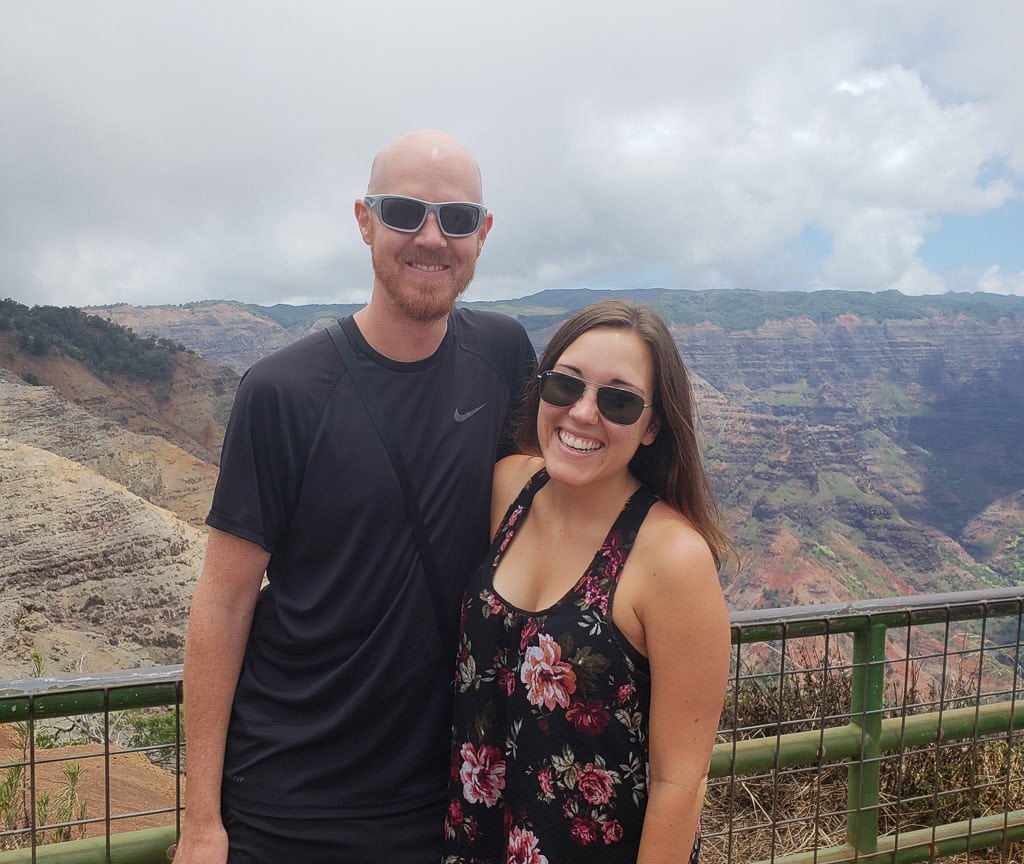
<point>881,735</point>
<point>887,686</point>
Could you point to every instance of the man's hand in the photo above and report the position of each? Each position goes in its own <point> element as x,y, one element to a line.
<point>206,846</point>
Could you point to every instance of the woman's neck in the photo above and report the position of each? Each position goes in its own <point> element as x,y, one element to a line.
<point>581,507</point>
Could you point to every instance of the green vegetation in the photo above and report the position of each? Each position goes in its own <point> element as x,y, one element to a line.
<point>1015,549</point>
<point>106,349</point>
<point>740,309</point>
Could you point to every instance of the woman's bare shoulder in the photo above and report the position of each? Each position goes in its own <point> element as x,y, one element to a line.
<point>673,550</point>
<point>510,475</point>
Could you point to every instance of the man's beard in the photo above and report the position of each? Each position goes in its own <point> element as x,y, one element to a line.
<point>424,302</point>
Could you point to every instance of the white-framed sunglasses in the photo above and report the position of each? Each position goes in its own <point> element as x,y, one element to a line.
<point>405,214</point>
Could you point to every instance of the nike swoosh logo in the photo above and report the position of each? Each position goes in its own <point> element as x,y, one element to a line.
<point>462,418</point>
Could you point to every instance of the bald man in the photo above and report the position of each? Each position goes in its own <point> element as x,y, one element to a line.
<point>317,709</point>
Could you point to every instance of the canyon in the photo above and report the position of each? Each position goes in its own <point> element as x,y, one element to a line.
<point>859,445</point>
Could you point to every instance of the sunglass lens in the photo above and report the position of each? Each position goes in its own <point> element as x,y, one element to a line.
<point>560,390</point>
<point>402,213</point>
<point>619,406</point>
<point>459,220</point>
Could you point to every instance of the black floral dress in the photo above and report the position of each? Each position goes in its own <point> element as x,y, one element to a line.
<point>549,742</point>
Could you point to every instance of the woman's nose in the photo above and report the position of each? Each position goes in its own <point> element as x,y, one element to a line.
<point>585,409</point>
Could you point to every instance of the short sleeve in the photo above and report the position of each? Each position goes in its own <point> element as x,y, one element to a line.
<point>257,466</point>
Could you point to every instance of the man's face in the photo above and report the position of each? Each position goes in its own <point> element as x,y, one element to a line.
<point>423,274</point>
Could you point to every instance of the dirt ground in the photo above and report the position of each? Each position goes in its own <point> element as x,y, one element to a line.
<point>136,785</point>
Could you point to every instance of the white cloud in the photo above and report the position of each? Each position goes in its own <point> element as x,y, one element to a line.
<point>213,149</point>
<point>995,282</point>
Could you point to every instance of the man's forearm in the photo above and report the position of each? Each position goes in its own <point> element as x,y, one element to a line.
<point>213,658</point>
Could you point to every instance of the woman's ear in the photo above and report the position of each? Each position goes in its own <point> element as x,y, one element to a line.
<point>653,428</point>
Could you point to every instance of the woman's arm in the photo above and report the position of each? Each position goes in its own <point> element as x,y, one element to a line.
<point>686,635</point>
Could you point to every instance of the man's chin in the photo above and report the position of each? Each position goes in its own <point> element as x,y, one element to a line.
<point>425,305</point>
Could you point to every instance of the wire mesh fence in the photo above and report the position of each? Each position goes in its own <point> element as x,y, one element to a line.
<point>872,731</point>
<point>883,731</point>
<point>73,760</point>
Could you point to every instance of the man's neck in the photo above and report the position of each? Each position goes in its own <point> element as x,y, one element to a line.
<point>398,337</point>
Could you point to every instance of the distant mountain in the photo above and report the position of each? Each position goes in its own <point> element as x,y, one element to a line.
<point>147,385</point>
<point>862,444</point>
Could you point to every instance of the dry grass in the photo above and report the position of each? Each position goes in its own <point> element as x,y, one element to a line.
<point>758,818</point>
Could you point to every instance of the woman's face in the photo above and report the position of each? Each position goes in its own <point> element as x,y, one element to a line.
<point>578,443</point>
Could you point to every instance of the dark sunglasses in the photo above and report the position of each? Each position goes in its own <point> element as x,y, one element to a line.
<point>400,213</point>
<point>616,405</point>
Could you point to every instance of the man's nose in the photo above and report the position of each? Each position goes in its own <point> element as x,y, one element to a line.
<point>430,234</point>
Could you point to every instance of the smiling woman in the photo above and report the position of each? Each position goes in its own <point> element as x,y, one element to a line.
<point>589,683</point>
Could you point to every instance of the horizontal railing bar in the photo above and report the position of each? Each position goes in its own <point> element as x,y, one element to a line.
<point>760,625</point>
<point>50,705</point>
<point>845,742</point>
<point>924,844</point>
<point>148,846</point>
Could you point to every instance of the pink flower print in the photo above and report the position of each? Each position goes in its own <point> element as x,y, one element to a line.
<point>454,815</point>
<point>522,848</point>
<point>493,603</point>
<point>510,532</point>
<point>595,594</point>
<point>588,717</point>
<point>544,780</point>
<point>530,629</point>
<point>615,556</point>
<point>482,774</point>
<point>625,693</point>
<point>583,831</point>
<point>549,681</point>
<point>507,681</point>
<point>594,784</point>
<point>611,831</point>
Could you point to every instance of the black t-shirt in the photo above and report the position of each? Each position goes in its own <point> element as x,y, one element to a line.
<point>343,702</point>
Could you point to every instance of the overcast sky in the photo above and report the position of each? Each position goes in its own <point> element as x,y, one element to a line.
<point>164,152</point>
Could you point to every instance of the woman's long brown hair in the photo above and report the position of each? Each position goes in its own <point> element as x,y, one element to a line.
<point>671,465</point>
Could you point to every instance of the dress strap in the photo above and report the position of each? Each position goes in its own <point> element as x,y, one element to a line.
<point>513,516</point>
<point>612,555</point>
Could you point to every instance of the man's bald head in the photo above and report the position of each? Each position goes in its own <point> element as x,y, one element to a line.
<point>427,154</point>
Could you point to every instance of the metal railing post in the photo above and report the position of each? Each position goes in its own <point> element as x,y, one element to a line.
<point>867,687</point>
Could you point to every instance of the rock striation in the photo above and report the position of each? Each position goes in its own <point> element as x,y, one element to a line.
<point>146,465</point>
<point>91,576</point>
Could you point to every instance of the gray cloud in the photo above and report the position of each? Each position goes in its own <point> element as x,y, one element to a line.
<point>164,153</point>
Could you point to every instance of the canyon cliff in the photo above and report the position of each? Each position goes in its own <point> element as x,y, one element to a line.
<point>859,445</point>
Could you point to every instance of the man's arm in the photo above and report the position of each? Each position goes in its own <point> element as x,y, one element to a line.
<point>219,622</point>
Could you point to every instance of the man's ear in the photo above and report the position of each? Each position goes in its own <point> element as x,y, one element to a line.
<point>364,218</point>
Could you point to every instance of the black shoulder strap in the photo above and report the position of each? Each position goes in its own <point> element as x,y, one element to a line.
<point>348,356</point>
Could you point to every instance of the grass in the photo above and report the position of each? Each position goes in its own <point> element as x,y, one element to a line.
<point>800,809</point>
